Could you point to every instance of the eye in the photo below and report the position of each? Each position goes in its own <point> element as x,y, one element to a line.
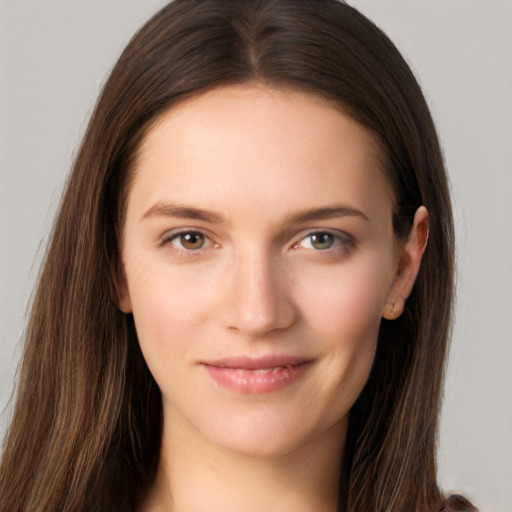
<point>325,241</point>
<point>187,241</point>
<point>321,241</point>
<point>191,241</point>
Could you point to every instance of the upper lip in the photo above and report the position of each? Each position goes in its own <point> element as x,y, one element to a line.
<point>257,363</point>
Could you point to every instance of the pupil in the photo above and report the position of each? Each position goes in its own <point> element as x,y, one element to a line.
<point>192,240</point>
<point>322,240</point>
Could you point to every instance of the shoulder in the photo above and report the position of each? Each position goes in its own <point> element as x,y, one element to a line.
<point>457,503</point>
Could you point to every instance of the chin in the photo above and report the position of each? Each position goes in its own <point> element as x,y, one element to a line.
<point>268,437</point>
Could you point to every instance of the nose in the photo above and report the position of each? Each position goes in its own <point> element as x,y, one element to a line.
<point>258,301</point>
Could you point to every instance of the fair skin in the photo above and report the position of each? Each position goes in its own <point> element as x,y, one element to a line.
<point>259,259</point>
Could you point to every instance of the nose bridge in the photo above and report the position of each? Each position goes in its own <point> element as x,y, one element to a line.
<point>259,301</point>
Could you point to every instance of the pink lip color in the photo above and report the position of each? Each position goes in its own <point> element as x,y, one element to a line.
<point>257,376</point>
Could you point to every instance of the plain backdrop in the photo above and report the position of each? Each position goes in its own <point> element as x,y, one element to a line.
<point>54,57</point>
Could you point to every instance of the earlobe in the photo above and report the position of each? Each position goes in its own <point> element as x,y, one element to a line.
<point>411,253</point>
<point>124,304</point>
<point>123,301</point>
<point>393,308</point>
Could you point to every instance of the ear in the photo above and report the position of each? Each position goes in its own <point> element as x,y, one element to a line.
<point>410,254</point>
<point>123,300</point>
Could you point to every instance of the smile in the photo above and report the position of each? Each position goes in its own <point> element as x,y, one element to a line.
<point>257,376</point>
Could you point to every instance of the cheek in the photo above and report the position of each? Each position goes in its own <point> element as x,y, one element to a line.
<point>168,306</point>
<point>347,305</point>
<point>344,316</point>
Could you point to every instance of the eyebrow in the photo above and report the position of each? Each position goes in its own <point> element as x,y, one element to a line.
<point>327,213</point>
<point>166,209</point>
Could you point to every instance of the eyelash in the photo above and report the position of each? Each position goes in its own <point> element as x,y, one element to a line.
<point>169,238</point>
<point>342,242</point>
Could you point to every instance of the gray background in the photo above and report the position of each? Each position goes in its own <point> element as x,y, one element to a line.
<point>54,56</point>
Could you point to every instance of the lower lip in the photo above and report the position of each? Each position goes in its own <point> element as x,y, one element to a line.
<point>256,381</point>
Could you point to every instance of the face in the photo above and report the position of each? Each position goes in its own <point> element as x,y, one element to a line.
<point>259,254</point>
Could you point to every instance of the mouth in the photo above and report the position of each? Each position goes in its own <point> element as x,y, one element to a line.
<point>257,376</point>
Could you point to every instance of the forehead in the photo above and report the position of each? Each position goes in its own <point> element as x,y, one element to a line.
<point>270,146</point>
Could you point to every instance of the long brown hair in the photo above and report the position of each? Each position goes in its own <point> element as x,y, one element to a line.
<point>86,429</point>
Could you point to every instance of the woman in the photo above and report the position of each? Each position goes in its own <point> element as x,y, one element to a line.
<point>185,353</point>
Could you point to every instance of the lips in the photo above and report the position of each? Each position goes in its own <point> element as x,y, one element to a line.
<point>257,375</point>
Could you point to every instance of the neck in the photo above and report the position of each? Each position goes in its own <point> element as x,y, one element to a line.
<point>195,475</point>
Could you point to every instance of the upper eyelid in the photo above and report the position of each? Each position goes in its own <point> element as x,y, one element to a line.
<point>173,233</point>
<point>167,241</point>
<point>337,233</point>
